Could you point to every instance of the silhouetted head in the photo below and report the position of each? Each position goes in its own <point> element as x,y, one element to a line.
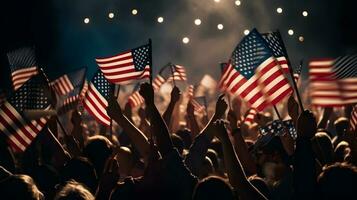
<point>213,187</point>
<point>337,181</point>
<point>261,185</point>
<point>46,178</point>
<point>341,151</point>
<point>178,143</point>
<point>185,135</point>
<point>19,187</point>
<point>74,191</point>
<point>206,168</point>
<point>126,161</point>
<point>323,148</point>
<point>81,170</point>
<point>341,125</point>
<point>97,150</point>
<point>213,156</point>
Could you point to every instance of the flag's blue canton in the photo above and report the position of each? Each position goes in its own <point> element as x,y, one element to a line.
<point>274,43</point>
<point>291,128</point>
<point>77,77</point>
<point>250,53</point>
<point>101,83</point>
<point>22,58</point>
<point>34,94</point>
<point>141,57</point>
<point>298,69</point>
<point>345,67</point>
<point>277,128</point>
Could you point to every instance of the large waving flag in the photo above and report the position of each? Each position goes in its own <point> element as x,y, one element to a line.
<point>254,74</point>
<point>333,82</point>
<point>178,73</point>
<point>95,101</point>
<point>23,65</point>
<point>276,45</point>
<point>68,82</point>
<point>32,95</point>
<point>128,66</point>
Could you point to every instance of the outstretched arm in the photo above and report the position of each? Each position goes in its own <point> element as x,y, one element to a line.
<point>191,120</point>
<point>175,96</point>
<point>158,126</point>
<point>136,136</point>
<point>235,171</point>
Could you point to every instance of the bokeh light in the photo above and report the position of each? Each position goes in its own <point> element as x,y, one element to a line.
<point>86,20</point>
<point>220,26</point>
<point>279,10</point>
<point>134,12</point>
<point>305,13</point>
<point>291,32</point>
<point>246,32</point>
<point>185,40</point>
<point>160,19</point>
<point>301,38</point>
<point>111,15</point>
<point>197,22</point>
<point>237,3</point>
<point>217,1</point>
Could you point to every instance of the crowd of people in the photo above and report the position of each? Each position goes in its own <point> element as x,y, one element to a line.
<point>210,157</point>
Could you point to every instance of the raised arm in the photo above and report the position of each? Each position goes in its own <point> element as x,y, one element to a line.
<point>191,120</point>
<point>304,160</point>
<point>325,117</point>
<point>136,136</point>
<point>158,126</point>
<point>175,97</point>
<point>236,175</point>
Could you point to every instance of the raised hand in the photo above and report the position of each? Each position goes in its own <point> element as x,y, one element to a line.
<point>109,178</point>
<point>190,109</point>
<point>76,117</point>
<point>306,125</point>
<point>113,108</point>
<point>147,92</point>
<point>221,106</point>
<point>232,118</point>
<point>175,94</point>
<point>220,129</point>
<point>293,108</point>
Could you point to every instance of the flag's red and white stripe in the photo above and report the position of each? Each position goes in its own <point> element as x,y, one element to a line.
<point>197,106</point>
<point>84,90</point>
<point>179,74</point>
<point>62,85</point>
<point>190,91</point>
<point>19,132</point>
<point>19,77</point>
<point>249,119</point>
<point>157,82</point>
<point>325,90</point>
<point>96,105</point>
<point>353,120</point>
<point>268,86</point>
<point>282,61</point>
<point>135,99</point>
<point>296,77</point>
<point>120,69</point>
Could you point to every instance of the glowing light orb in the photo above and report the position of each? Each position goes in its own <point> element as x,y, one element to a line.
<point>237,3</point>
<point>246,32</point>
<point>111,15</point>
<point>86,20</point>
<point>134,12</point>
<point>291,32</point>
<point>197,22</point>
<point>301,38</point>
<point>160,19</point>
<point>217,1</point>
<point>279,10</point>
<point>220,26</point>
<point>185,40</point>
<point>305,13</point>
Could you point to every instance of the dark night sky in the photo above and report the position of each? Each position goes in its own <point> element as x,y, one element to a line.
<point>64,42</point>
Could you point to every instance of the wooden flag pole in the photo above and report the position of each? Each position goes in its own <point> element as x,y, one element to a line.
<point>291,71</point>
<point>150,57</point>
<point>277,113</point>
<point>116,95</point>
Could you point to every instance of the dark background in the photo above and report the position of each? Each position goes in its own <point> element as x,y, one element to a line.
<point>64,43</point>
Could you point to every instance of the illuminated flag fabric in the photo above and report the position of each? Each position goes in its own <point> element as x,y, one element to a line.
<point>70,100</point>
<point>128,66</point>
<point>333,82</point>
<point>297,73</point>
<point>199,104</point>
<point>190,91</point>
<point>135,99</point>
<point>249,119</point>
<point>20,131</point>
<point>84,90</point>
<point>278,128</point>
<point>96,99</point>
<point>178,73</point>
<point>23,65</point>
<point>353,120</point>
<point>254,74</point>
<point>161,78</point>
<point>276,44</point>
<point>66,83</point>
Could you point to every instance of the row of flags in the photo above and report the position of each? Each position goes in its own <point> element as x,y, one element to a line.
<point>258,71</point>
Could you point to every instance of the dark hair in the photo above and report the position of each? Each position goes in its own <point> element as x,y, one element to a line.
<point>74,191</point>
<point>323,148</point>
<point>341,125</point>
<point>19,187</point>
<point>337,181</point>
<point>213,156</point>
<point>177,142</point>
<point>97,150</point>
<point>213,187</point>
<point>81,170</point>
<point>340,152</point>
<point>185,135</point>
<point>261,185</point>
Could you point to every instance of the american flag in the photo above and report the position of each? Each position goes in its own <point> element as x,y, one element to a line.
<point>254,74</point>
<point>190,92</point>
<point>249,119</point>
<point>353,120</point>
<point>297,73</point>
<point>199,104</point>
<point>20,131</point>
<point>95,101</point>
<point>128,66</point>
<point>276,44</point>
<point>161,78</point>
<point>84,90</point>
<point>278,127</point>
<point>66,83</point>
<point>333,82</point>
<point>23,65</point>
<point>178,73</point>
<point>135,99</point>
<point>70,100</point>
